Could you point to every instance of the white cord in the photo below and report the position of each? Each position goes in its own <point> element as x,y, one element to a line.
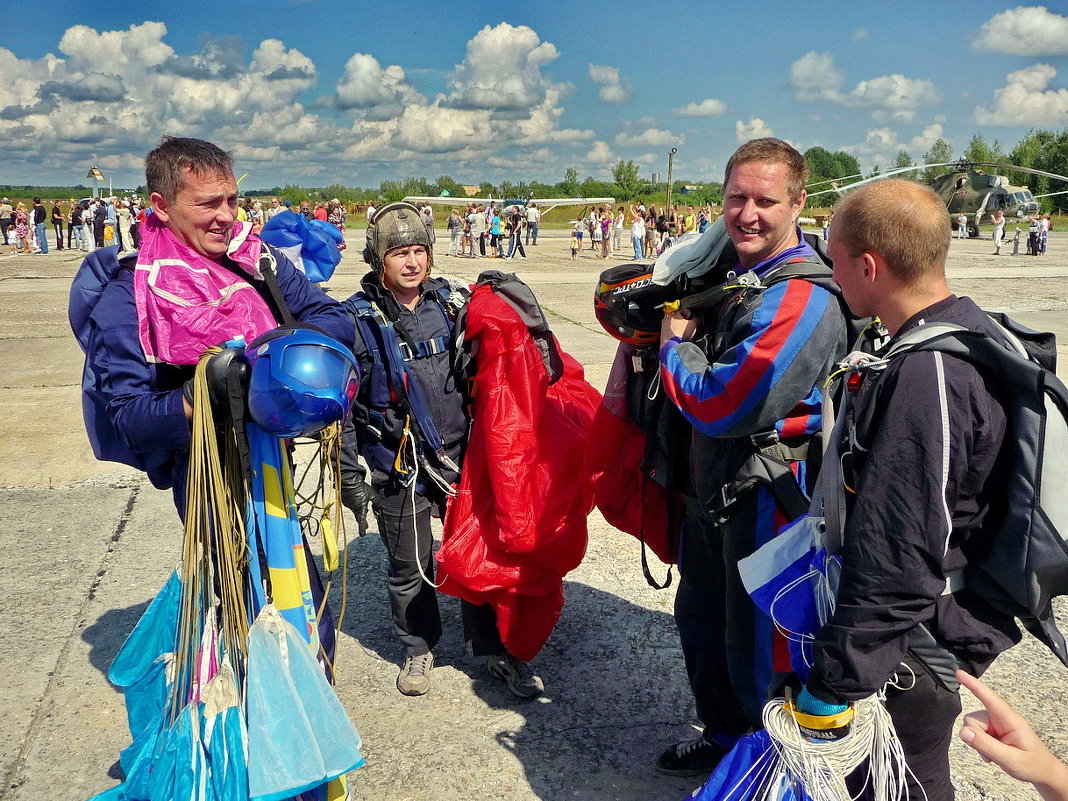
<point>823,597</point>
<point>822,767</point>
<point>895,680</point>
<point>415,521</point>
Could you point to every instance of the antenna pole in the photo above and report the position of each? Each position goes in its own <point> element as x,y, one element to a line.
<point>671,164</point>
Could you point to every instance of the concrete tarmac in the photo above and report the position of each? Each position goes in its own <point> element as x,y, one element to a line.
<point>85,545</point>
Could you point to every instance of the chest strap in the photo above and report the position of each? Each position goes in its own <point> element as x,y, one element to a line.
<point>424,349</point>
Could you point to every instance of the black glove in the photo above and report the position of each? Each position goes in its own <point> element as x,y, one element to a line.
<point>217,372</point>
<point>356,495</point>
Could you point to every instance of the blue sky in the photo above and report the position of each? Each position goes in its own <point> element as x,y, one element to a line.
<point>316,92</point>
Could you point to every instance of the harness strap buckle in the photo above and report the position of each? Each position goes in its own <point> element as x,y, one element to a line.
<point>765,439</point>
<point>728,495</point>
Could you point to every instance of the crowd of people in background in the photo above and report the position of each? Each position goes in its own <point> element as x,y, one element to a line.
<point>92,223</point>
<point>490,231</point>
<point>478,230</point>
<point>653,230</point>
<point>1038,234</point>
<point>76,225</point>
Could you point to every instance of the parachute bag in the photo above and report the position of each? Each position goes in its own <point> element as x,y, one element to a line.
<point>1027,564</point>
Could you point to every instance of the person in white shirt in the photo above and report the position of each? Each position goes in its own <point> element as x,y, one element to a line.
<point>637,234</point>
<point>533,220</point>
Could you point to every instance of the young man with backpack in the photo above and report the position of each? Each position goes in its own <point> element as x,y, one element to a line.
<point>746,373</point>
<point>925,470</point>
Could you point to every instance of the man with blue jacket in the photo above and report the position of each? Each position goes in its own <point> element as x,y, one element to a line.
<point>746,374</point>
<point>195,283</point>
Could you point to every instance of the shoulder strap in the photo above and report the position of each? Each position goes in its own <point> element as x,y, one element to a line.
<point>374,325</point>
<point>267,266</point>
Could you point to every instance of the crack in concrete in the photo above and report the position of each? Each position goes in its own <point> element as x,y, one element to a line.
<point>12,779</point>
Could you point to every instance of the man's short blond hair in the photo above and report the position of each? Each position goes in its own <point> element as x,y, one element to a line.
<point>902,221</point>
<point>772,151</point>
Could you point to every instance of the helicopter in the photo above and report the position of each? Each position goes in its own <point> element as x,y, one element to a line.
<point>968,190</point>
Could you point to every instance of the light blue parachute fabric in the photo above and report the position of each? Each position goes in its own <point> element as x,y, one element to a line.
<point>312,245</point>
<point>155,633</point>
<point>299,736</point>
<point>751,771</point>
<point>794,582</point>
<point>147,696</point>
<point>136,759</point>
<point>140,670</point>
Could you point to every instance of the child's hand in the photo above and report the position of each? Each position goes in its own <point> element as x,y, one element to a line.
<point>1000,735</point>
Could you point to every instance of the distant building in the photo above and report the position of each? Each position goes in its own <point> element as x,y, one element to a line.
<point>470,191</point>
<point>688,189</point>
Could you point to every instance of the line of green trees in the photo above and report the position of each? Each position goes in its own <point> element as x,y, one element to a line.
<point>626,184</point>
<point>45,192</point>
<point>1039,149</point>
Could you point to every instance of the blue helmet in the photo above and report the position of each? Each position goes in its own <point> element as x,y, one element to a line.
<point>301,381</point>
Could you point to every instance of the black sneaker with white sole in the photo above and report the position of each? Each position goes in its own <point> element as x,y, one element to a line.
<point>691,757</point>
<point>517,674</point>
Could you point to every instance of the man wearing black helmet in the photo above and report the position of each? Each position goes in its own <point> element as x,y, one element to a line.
<point>411,427</point>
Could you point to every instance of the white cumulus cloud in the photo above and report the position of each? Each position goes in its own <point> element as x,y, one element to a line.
<point>600,153</point>
<point>366,84</point>
<point>815,77</point>
<point>1024,31</point>
<point>612,88</point>
<point>502,69</point>
<point>756,128</point>
<point>709,107</point>
<point>923,141</point>
<point>1026,100</point>
<point>108,96</point>
<point>648,138</point>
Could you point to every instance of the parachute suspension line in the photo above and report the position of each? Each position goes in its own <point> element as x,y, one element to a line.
<point>213,551</point>
<point>320,514</point>
<point>654,387</point>
<point>822,767</point>
<point>410,442</point>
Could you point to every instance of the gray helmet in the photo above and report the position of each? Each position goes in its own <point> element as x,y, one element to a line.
<point>395,225</point>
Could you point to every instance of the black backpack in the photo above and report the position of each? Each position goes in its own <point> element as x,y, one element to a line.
<point>1027,564</point>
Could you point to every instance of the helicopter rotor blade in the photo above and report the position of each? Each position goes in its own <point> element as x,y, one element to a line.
<point>883,174</point>
<point>1029,170</point>
<point>833,180</point>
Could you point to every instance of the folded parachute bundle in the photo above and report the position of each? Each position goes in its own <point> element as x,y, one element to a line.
<point>517,524</point>
<point>226,676</point>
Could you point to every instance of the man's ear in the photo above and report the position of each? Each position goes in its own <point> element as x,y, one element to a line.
<point>160,206</point>
<point>874,267</point>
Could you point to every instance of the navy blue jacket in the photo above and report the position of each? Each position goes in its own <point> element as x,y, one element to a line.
<point>143,400</point>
